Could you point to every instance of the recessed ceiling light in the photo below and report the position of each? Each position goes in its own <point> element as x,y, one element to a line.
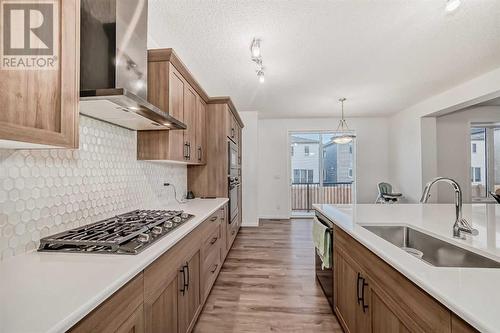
<point>452,5</point>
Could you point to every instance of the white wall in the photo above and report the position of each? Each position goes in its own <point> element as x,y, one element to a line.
<point>273,185</point>
<point>406,155</point>
<point>250,168</point>
<point>454,147</point>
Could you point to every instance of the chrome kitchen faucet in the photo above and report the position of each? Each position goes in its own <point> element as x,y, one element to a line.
<point>461,225</point>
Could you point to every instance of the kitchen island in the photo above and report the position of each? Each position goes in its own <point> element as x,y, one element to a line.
<point>469,293</point>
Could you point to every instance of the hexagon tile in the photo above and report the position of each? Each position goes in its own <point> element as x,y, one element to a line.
<point>47,191</point>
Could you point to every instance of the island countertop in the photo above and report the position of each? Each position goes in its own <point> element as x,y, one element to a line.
<point>50,292</point>
<point>471,293</point>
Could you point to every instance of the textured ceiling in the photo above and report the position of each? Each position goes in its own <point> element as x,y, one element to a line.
<point>382,55</point>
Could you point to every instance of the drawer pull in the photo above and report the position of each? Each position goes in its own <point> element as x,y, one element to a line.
<point>212,242</point>
<point>232,232</point>
<point>213,218</point>
<point>215,268</point>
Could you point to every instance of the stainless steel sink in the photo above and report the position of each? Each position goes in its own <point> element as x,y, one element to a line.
<point>430,249</point>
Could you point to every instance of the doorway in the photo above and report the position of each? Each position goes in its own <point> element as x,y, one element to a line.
<point>321,171</point>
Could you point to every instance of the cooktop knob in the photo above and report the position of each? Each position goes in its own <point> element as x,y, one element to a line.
<point>168,224</point>
<point>184,215</point>
<point>177,219</point>
<point>157,230</point>
<point>143,238</point>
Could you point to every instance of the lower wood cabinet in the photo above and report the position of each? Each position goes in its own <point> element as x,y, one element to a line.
<point>189,293</point>
<point>371,296</point>
<point>168,295</point>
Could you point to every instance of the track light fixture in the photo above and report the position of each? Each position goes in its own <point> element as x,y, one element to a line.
<point>256,57</point>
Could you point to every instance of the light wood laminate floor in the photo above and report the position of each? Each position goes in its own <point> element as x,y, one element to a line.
<point>267,284</point>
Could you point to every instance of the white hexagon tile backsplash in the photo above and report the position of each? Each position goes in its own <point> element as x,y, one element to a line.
<point>43,192</point>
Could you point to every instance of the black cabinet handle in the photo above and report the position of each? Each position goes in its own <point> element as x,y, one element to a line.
<point>189,150</point>
<point>183,288</point>
<point>187,276</point>
<point>215,268</point>
<point>365,306</point>
<point>186,154</point>
<point>213,218</point>
<point>357,288</point>
<point>199,153</point>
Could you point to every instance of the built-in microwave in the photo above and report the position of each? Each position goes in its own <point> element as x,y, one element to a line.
<point>233,165</point>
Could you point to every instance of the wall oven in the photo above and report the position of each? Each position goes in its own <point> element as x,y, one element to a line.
<point>233,165</point>
<point>325,276</point>
<point>234,188</point>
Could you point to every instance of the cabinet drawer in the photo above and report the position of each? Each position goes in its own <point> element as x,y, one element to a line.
<point>414,307</point>
<point>211,243</point>
<point>210,267</point>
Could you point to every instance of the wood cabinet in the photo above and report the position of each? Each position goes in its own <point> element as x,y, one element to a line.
<point>371,296</point>
<point>39,107</point>
<point>201,132</point>
<point>173,89</point>
<point>189,297</point>
<point>120,313</point>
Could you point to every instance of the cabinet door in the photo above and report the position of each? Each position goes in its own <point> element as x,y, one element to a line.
<point>189,293</point>
<point>189,119</point>
<point>176,149</point>
<point>351,296</point>
<point>135,323</point>
<point>39,107</point>
<point>201,134</point>
<point>161,313</point>
<point>383,319</point>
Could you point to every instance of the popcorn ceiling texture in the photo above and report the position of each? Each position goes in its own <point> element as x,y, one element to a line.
<point>43,192</point>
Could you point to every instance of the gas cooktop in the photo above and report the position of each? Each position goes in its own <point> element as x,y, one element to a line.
<point>129,233</point>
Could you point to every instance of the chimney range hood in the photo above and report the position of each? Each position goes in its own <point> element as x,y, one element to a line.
<point>114,67</point>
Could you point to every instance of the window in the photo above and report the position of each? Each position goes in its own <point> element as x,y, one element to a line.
<point>350,172</point>
<point>474,148</point>
<point>291,150</point>
<point>302,176</point>
<point>476,174</point>
<point>306,150</point>
<point>350,149</point>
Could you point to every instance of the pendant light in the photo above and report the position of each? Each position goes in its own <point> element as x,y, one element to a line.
<point>346,135</point>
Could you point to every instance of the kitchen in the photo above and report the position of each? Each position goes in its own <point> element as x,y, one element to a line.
<point>148,181</point>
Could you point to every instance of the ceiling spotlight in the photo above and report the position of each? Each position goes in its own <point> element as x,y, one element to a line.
<point>260,75</point>
<point>255,48</point>
<point>452,5</point>
<point>256,57</point>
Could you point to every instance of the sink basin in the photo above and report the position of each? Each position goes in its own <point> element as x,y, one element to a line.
<point>430,249</point>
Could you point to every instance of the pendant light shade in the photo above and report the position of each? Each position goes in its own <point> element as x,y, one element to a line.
<point>343,134</point>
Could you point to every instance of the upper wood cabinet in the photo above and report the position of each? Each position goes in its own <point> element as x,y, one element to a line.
<point>173,89</point>
<point>39,107</point>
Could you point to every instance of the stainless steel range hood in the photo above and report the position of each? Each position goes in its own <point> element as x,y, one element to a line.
<point>114,67</point>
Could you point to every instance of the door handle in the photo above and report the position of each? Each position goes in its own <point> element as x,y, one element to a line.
<point>187,278</point>
<point>186,153</point>
<point>183,288</point>
<point>357,288</point>
<point>189,150</point>
<point>365,306</point>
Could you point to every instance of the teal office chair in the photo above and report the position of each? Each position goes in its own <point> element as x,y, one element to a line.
<point>385,194</point>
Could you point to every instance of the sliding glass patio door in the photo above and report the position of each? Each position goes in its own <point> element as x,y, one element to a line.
<point>321,171</point>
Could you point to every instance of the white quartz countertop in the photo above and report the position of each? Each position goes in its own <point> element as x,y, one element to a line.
<point>472,293</point>
<point>50,292</point>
